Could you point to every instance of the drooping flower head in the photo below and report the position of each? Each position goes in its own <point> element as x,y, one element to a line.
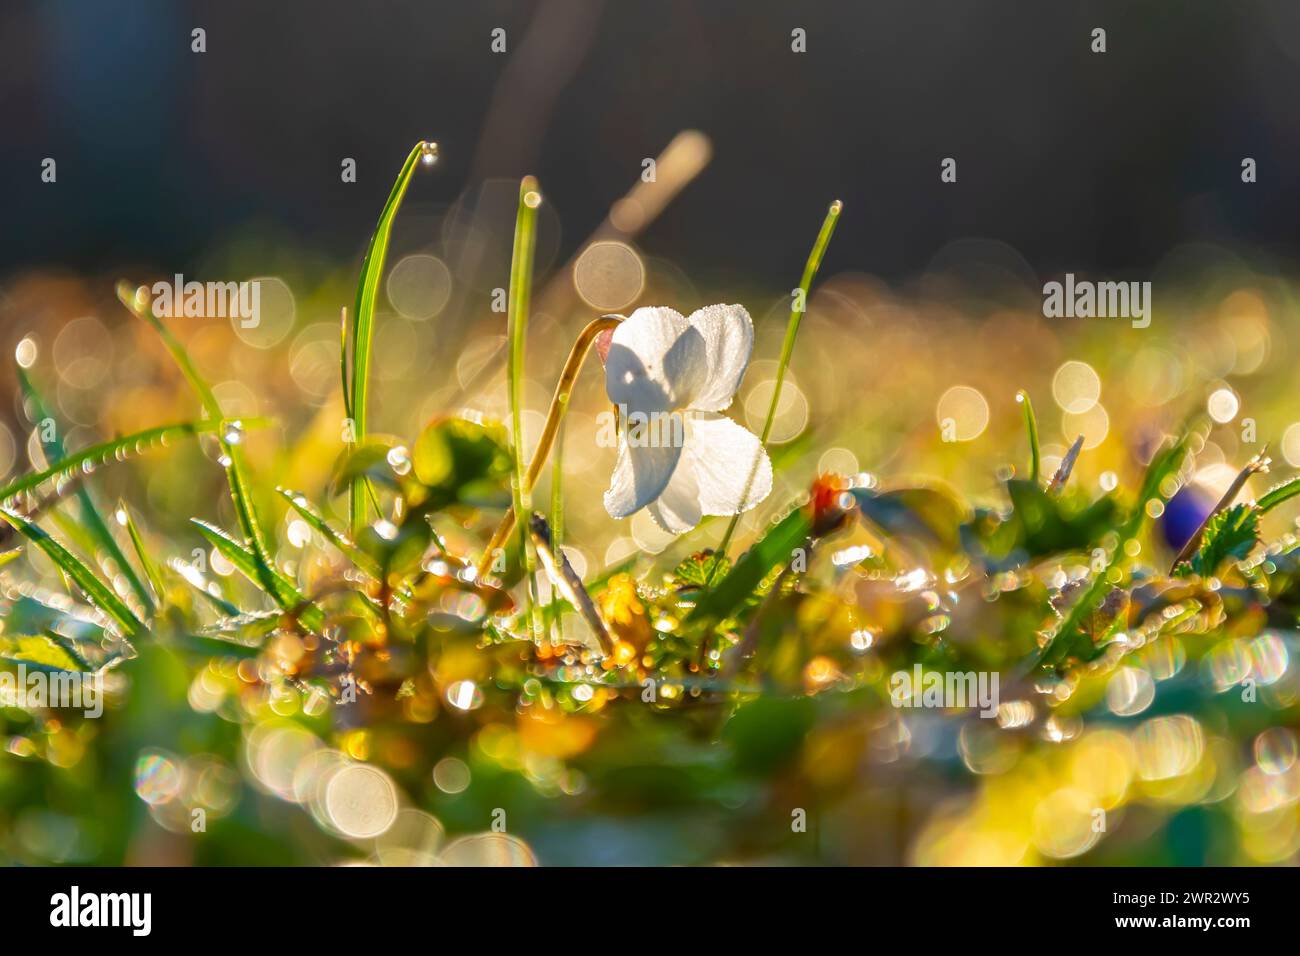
<point>670,376</point>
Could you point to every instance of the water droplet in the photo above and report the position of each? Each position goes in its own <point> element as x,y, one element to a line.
<point>399,459</point>
<point>26,352</point>
<point>428,153</point>
<point>464,695</point>
<point>385,529</point>
<point>233,433</point>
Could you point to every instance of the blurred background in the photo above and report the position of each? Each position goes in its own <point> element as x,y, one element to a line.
<point>225,165</point>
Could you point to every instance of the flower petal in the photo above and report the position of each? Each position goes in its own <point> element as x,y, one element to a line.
<point>728,336</point>
<point>640,476</point>
<point>677,510</point>
<point>732,471</point>
<point>656,361</point>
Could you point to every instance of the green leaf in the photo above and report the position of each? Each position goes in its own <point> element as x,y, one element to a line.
<point>372,269</point>
<point>462,461</point>
<point>285,592</point>
<point>774,549</point>
<point>696,570</point>
<point>96,591</point>
<point>1230,534</point>
<point>930,514</point>
<point>40,651</point>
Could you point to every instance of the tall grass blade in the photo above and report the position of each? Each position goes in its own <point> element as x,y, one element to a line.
<point>521,285</point>
<point>372,268</point>
<point>151,569</point>
<point>1163,464</point>
<point>230,438</point>
<point>299,503</point>
<point>285,594</point>
<point>1031,428</point>
<point>98,533</point>
<point>191,576</point>
<point>96,591</point>
<point>118,449</point>
<point>810,270</point>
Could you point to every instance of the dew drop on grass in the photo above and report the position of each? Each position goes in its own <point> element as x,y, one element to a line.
<point>399,459</point>
<point>233,433</point>
<point>25,352</point>
<point>385,529</point>
<point>428,153</point>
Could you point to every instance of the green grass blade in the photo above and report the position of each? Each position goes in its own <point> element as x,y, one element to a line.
<point>1278,494</point>
<point>195,579</point>
<point>96,591</point>
<point>151,569</point>
<point>1031,427</point>
<point>810,270</point>
<point>232,451</point>
<point>372,269</point>
<point>285,593</point>
<point>1163,464</point>
<point>96,528</point>
<point>772,550</point>
<point>118,449</point>
<point>521,285</point>
<point>316,520</point>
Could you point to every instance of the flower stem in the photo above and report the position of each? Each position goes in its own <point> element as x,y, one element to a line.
<point>787,347</point>
<point>559,405</point>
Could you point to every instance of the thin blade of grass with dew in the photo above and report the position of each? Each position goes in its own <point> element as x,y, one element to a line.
<point>1031,429</point>
<point>299,503</point>
<point>1278,494</point>
<point>1163,464</point>
<point>521,285</point>
<point>356,406</point>
<point>151,569</point>
<point>118,449</point>
<point>96,591</point>
<point>97,529</point>
<point>195,579</point>
<point>229,436</point>
<point>286,592</point>
<point>810,270</point>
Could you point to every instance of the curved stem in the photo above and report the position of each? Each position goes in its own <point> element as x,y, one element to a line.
<point>559,405</point>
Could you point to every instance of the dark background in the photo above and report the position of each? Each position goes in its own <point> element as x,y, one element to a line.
<point>1079,161</point>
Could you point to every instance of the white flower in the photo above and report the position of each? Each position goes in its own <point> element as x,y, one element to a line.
<point>670,376</point>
